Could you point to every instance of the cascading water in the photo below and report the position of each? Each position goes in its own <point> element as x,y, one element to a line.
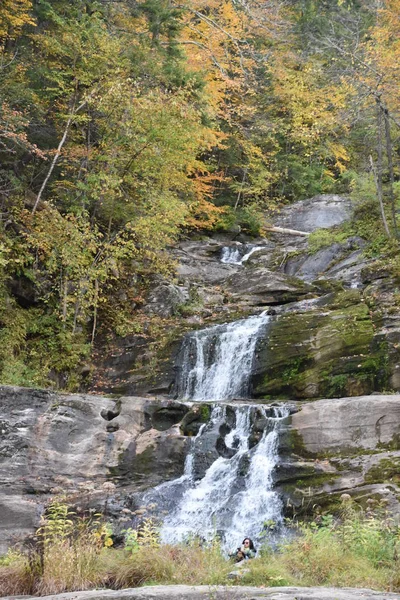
<point>225,500</point>
<point>237,255</point>
<point>231,255</point>
<point>227,484</point>
<point>216,362</point>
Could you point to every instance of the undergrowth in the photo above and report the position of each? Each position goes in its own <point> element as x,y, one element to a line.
<point>356,549</point>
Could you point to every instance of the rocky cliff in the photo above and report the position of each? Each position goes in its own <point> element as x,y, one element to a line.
<point>104,453</point>
<point>330,351</point>
<point>335,329</point>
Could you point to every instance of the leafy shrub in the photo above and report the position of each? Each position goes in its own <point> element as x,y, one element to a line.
<point>248,219</point>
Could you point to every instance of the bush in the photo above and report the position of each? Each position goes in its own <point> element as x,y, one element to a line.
<point>184,564</point>
<point>249,219</point>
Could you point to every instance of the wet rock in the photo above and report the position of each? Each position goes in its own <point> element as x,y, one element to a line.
<point>194,419</point>
<point>168,415</point>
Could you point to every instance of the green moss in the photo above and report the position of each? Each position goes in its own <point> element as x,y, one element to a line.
<point>205,412</point>
<point>294,442</point>
<point>388,469</point>
<point>344,299</point>
<point>323,355</point>
<point>307,485</point>
<point>294,368</point>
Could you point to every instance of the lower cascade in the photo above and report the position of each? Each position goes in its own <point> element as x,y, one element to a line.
<point>216,362</point>
<point>234,496</point>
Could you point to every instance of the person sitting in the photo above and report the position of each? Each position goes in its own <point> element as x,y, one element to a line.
<point>246,550</point>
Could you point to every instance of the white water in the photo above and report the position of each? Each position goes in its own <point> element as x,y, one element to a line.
<point>216,362</point>
<point>259,504</point>
<point>233,255</point>
<point>224,500</point>
<point>227,486</point>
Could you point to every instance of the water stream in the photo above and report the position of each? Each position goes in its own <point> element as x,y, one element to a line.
<point>237,255</point>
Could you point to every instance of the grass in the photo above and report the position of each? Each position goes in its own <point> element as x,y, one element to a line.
<point>356,549</point>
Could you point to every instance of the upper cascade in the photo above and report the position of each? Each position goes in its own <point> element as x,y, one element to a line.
<point>215,363</point>
<point>239,254</point>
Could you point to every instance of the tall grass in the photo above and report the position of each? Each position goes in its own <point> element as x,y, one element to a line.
<point>186,564</point>
<point>357,549</point>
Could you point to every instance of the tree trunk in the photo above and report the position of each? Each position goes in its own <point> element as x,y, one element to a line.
<point>96,297</point>
<point>53,164</point>
<point>389,152</point>
<point>379,194</point>
<point>241,188</point>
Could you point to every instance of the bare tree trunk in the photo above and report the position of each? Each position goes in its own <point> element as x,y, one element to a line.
<point>74,111</point>
<point>65,304</point>
<point>96,296</point>
<point>389,152</point>
<point>77,308</point>
<point>285,230</point>
<point>379,167</point>
<point>379,193</point>
<point>241,188</point>
<point>53,164</point>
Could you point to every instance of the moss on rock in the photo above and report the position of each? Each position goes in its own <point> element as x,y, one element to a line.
<point>315,355</point>
<point>387,470</point>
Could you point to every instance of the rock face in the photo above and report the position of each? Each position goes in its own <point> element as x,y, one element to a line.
<point>198,592</point>
<point>328,350</point>
<point>52,443</point>
<point>80,444</point>
<point>319,212</point>
<point>344,445</point>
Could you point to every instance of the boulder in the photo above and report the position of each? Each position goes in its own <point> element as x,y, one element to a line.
<point>323,211</point>
<point>205,592</point>
<point>165,299</point>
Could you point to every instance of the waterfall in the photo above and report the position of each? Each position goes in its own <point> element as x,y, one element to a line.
<point>216,362</point>
<point>231,255</point>
<point>237,255</point>
<point>227,485</point>
<point>234,498</point>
